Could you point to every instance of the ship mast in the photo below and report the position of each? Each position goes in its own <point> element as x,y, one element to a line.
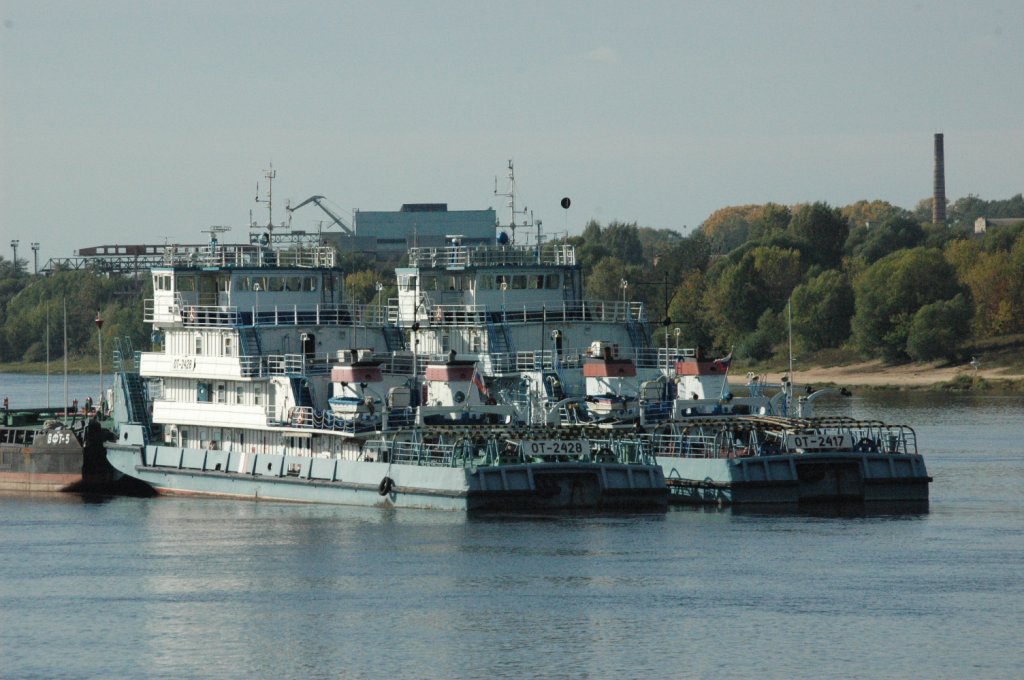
<point>269,200</point>
<point>513,213</point>
<point>268,236</point>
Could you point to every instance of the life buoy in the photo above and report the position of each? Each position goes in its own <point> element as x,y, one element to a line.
<point>385,486</point>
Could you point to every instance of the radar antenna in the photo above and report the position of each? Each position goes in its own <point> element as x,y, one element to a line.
<point>213,231</point>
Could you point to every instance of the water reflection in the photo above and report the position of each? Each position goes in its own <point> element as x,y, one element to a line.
<point>836,509</point>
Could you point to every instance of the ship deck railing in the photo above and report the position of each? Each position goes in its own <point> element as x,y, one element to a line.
<point>739,437</point>
<point>250,255</point>
<point>464,257</point>
<point>416,453</point>
<point>309,418</point>
<point>598,311</point>
<point>266,365</point>
<point>228,316</point>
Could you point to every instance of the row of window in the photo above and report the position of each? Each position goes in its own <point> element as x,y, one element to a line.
<point>521,282</point>
<point>228,393</point>
<point>276,284</point>
<point>226,342</point>
<point>269,283</point>
<point>486,282</point>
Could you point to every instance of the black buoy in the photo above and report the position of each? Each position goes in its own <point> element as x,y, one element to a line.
<point>385,486</point>
<point>566,202</point>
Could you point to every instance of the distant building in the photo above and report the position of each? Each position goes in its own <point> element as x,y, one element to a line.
<point>982,224</point>
<point>389,233</point>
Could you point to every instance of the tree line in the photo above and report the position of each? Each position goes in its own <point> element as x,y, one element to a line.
<point>870,276</point>
<point>32,309</point>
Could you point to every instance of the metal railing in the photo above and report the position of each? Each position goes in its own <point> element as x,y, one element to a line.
<point>615,311</point>
<point>226,316</point>
<point>460,257</point>
<point>735,438</point>
<point>318,257</point>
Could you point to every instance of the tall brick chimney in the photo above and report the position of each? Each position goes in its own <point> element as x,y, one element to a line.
<point>939,188</point>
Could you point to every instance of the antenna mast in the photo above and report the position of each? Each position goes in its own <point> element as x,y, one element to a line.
<point>511,196</point>
<point>269,200</point>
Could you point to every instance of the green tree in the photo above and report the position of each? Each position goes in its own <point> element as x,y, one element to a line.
<point>891,291</point>
<point>734,300</point>
<point>874,243</point>
<point>687,311</point>
<point>761,342</point>
<point>822,309</point>
<point>824,229</point>
<point>690,253</point>
<point>591,249</point>
<point>623,240</point>
<point>1002,237</point>
<point>938,329</point>
<point>118,301</point>
<point>996,283</point>
<point>868,214</point>
<point>656,241</point>
<point>728,228</point>
<point>361,286</point>
<point>773,221</point>
<point>604,282</point>
<point>779,270</point>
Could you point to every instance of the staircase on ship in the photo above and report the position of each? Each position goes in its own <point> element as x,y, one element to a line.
<point>134,390</point>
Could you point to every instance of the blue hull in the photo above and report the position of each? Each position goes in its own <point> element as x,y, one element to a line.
<point>528,486</point>
<point>869,477</point>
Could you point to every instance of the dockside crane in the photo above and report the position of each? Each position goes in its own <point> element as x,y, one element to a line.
<point>317,201</point>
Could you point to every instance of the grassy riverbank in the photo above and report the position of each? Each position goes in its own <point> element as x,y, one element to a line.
<point>76,366</point>
<point>999,368</point>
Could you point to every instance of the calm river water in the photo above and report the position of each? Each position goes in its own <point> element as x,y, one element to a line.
<point>172,588</point>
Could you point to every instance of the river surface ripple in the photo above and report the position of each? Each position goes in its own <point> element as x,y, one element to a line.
<point>179,587</point>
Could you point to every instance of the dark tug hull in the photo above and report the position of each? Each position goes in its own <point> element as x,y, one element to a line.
<point>43,452</point>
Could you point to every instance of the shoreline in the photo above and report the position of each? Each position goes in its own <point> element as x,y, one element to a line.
<point>876,374</point>
<point>868,374</point>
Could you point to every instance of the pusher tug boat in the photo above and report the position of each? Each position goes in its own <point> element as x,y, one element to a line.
<point>248,397</point>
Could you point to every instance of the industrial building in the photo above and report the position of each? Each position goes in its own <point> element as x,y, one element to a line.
<point>389,234</point>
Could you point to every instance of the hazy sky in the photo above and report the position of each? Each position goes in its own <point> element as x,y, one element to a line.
<point>145,121</point>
